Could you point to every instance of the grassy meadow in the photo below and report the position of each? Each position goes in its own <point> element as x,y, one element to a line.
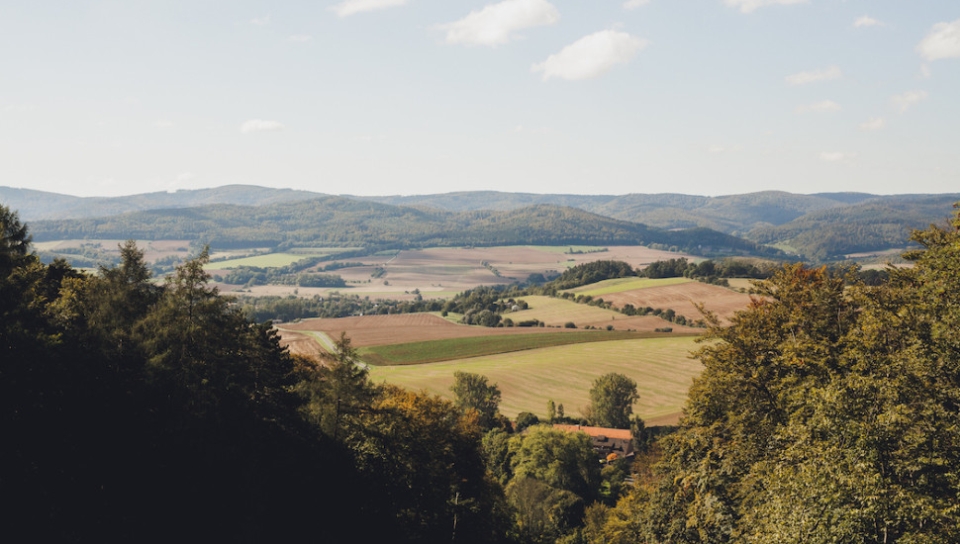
<point>556,311</point>
<point>527,379</point>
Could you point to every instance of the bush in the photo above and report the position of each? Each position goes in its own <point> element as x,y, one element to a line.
<point>569,325</point>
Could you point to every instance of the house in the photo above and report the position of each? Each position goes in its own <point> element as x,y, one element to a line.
<point>605,441</point>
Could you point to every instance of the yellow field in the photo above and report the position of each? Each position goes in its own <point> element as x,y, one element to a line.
<point>270,260</point>
<point>619,285</point>
<point>661,367</point>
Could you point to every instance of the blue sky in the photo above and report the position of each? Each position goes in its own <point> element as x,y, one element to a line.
<point>382,97</point>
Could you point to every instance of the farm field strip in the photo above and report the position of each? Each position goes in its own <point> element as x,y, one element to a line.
<point>619,285</point>
<point>556,312</point>
<point>270,260</point>
<point>462,348</point>
<point>661,367</point>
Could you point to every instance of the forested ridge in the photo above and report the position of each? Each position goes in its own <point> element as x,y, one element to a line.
<point>336,221</point>
<point>829,411</point>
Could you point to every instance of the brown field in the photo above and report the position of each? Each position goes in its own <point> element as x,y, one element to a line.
<point>443,272</point>
<point>556,312</point>
<point>152,249</point>
<point>682,298</point>
<point>381,330</point>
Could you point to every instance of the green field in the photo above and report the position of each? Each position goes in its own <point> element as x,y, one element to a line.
<point>661,367</point>
<point>461,348</point>
<point>270,260</point>
<point>619,285</point>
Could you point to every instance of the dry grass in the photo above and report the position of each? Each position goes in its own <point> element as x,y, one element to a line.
<point>528,379</point>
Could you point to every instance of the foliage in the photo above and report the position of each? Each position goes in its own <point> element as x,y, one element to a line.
<point>138,412</point>
<point>826,413</point>
<point>611,400</point>
<point>336,221</point>
<point>471,392</point>
<point>592,272</point>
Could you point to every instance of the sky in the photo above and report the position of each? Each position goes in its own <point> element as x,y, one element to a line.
<point>402,97</point>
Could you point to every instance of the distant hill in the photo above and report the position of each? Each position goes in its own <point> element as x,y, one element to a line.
<point>873,224</point>
<point>819,227</point>
<point>33,205</point>
<point>337,221</point>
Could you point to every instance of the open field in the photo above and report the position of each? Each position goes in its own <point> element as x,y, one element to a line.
<point>528,379</point>
<point>152,249</point>
<point>382,330</point>
<point>556,312</point>
<point>270,260</point>
<point>682,298</point>
<point>462,348</point>
<point>443,272</point>
<point>619,285</point>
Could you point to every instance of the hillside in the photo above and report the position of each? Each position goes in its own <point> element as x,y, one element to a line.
<point>871,225</point>
<point>336,221</point>
<point>819,227</point>
<point>34,205</point>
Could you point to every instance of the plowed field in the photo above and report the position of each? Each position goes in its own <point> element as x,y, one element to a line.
<point>381,330</point>
<point>682,298</point>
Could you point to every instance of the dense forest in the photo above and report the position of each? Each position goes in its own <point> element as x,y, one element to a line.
<point>818,227</point>
<point>341,222</point>
<point>827,412</point>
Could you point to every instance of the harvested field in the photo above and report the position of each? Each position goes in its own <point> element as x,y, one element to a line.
<point>462,348</point>
<point>619,285</point>
<point>381,330</point>
<point>661,367</point>
<point>443,272</point>
<point>556,312</point>
<point>682,298</point>
<point>152,249</point>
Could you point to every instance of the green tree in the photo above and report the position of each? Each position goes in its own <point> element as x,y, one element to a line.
<point>611,400</point>
<point>472,392</point>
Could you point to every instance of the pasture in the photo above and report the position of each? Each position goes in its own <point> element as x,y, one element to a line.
<point>662,368</point>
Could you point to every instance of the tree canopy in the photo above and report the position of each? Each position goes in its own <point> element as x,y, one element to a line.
<point>825,413</point>
<point>611,400</point>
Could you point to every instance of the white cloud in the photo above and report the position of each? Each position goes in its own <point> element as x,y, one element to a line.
<point>352,7</point>
<point>163,123</point>
<point>715,149</point>
<point>259,125</point>
<point>803,78</point>
<point>300,38</point>
<point>591,56</point>
<point>260,21</point>
<point>942,42</point>
<point>186,176</point>
<point>866,21</point>
<point>634,4</point>
<point>904,101</point>
<point>834,156</point>
<point>874,123</point>
<point>748,6</point>
<point>497,24</point>
<point>823,106</point>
